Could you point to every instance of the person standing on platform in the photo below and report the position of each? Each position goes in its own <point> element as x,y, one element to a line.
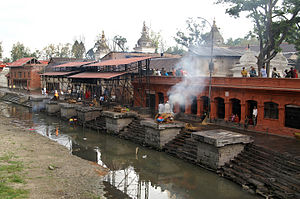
<point>254,116</point>
<point>244,72</point>
<point>263,72</point>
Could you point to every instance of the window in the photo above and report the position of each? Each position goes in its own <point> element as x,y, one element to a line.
<point>28,75</point>
<point>270,110</point>
<point>15,74</point>
<point>20,74</point>
<point>24,74</point>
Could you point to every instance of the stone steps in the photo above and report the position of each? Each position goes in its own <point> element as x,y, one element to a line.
<point>266,172</point>
<point>135,131</point>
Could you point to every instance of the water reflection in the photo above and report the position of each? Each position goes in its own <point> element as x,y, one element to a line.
<point>146,175</point>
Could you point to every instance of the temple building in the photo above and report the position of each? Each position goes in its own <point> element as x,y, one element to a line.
<point>144,44</point>
<point>24,73</point>
<point>215,35</point>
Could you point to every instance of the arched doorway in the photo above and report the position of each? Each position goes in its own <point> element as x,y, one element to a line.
<point>220,107</point>
<point>205,107</point>
<point>249,111</point>
<point>194,106</point>
<point>292,116</point>
<point>161,98</point>
<point>182,108</point>
<point>236,107</point>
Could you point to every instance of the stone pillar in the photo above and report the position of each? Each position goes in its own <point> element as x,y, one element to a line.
<point>156,101</point>
<point>213,109</point>
<point>260,114</point>
<point>199,107</point>
<point>228,110</point>
<point>176,108</point>
<point>243,113</point>
<point>187,108</point>
<point>281,114</point>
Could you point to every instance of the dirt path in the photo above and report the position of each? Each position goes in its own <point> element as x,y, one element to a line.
<point>49,170</point>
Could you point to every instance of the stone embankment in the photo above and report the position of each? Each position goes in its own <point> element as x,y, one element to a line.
<point>257,169</point>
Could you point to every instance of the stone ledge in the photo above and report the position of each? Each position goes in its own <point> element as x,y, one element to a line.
<point>152,124</point>
<point>117,115</point>
<point>220,138</point>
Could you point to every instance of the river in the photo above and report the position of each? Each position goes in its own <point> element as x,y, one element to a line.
<point>148,174</point>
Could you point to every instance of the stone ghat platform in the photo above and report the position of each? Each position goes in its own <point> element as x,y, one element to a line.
<point>217,147</point>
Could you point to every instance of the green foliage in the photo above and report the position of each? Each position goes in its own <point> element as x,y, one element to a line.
<point>78,49</point>
<point>193,34</point>
<point>242,41</point>
<point>175,50</point>
<point>120,42</point>
<point>60,50</point>
<point>6,60</point>
<point>155,38</point>
<point>9,174</point>
<point>19,51</point>
<point>275,21</point>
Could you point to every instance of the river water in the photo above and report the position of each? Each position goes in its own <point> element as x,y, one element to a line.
<point>146,175</point>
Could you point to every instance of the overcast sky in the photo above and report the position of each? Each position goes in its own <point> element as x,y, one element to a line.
<point>37,23</point>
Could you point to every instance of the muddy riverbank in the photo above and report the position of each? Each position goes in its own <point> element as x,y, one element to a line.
<point>49,169</point>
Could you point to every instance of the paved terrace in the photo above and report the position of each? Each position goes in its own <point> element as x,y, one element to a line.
<point>286,84</point>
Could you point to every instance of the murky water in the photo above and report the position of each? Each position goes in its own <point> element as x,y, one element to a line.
<point>147,175</point>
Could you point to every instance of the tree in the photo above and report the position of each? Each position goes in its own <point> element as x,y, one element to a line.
<point>19,51</point>
<point>274,22</point>
<point>78,49</point>
<point>249,39</point>
<point>120,42</point>
<point>194,35</point>
<point>155,38</point>
<point>175,50</point>
<point>60,50</point>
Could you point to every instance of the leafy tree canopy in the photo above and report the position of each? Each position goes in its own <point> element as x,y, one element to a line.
<point>78,49</point>
<point>19,51</point>
<point>193,35</point>
<point>175,50</point>
<point>120,42</point>
<point>274,22</point>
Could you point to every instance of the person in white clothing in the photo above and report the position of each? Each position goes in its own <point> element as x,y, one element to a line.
<point>254,115</point>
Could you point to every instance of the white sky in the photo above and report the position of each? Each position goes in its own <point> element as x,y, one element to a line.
<point>37,23</point>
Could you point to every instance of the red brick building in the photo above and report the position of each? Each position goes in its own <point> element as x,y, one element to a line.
<point>24,73</point>
<point>277,100</point>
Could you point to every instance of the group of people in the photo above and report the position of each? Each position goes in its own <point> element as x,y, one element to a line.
<point>174,72</point>
<point>292,73</point>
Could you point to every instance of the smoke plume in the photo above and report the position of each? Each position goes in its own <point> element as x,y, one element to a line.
<point>192,83</point>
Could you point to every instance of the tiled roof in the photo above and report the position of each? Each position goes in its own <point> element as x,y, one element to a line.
<point>20,62</point>
<point>73,64</point>
<point>95,75</point>
<point>44,61</point>
<point>57,73</point>
<point>116,62</point>
<point>121,55</point>
<point>205,51</point>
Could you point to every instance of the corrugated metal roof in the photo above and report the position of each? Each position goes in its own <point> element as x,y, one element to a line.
<point>95,75</point>
<point>73,64</point>
<point>57,73</point>
<point>116,62</point>
<point>20,62</point>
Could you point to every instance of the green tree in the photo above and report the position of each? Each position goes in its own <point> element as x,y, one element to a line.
<point>6,60</point>
<point>78,49</point>
<point>19,51</point>
<point>193,35</point>
<point>49,51</point>
<point>274,22</point>
<point>175,50</point>
<point>60,50</point>
<point>155,38</point>
<point>120,42</point>
<point>249,39</point>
